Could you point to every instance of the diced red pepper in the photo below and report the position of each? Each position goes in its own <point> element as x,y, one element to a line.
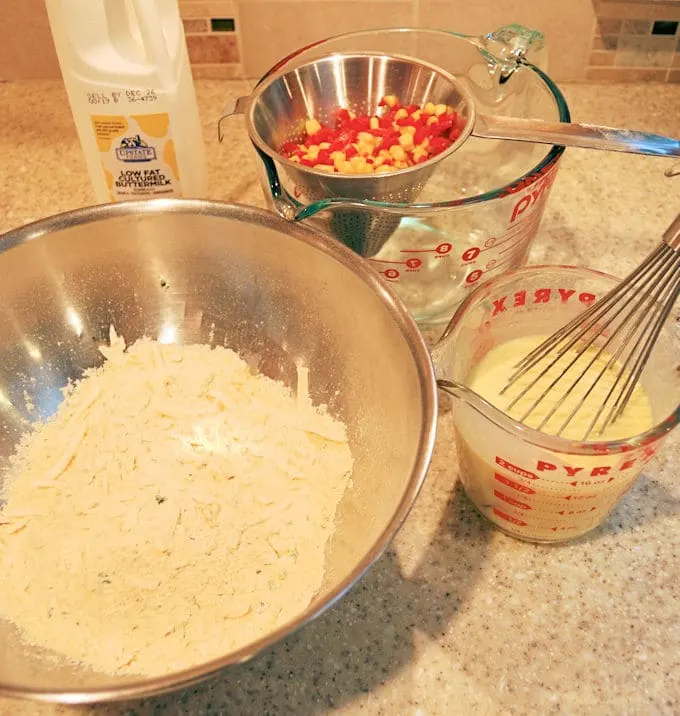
<point>412,108</point>
<point>421,135</point>
<point>437,145</point>
<point>360,124</point>
<point>307,162</point>
<point>445,122</point>
<point>324,157</point>
<point>389,140</point>
<point>388,161</point>
<point>342,118</point>
<point>348,136</point>
<point>288,148</point>
<point>406,122</point>
<point>351,151</point>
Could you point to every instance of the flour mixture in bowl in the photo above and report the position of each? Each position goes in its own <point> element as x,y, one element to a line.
<point>175,508</point>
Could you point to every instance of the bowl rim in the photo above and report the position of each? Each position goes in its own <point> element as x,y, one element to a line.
<point>143,686</point>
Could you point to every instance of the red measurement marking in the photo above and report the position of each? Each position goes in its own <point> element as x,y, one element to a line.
<point>443,249</point>
<point>515,485</point>
<point>509,518</point>
<point>511,500</point>
<point>385,261</point>
<point>414,263</point>
<point>474,276</point>
<point>576,512</point>
<point>591,482</point>
<point>513,468</point>
<point>391,273</point>
<point>470,254</point>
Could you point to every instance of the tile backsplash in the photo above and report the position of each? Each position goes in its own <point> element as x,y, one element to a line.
<point>636,41</point>
<point>617,40</point>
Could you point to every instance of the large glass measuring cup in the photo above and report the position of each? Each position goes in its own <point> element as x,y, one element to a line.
<point>481,209</point>
<point>535,486</point>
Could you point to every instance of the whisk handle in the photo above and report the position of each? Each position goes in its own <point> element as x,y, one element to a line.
<point>672,234</point>
<point>571,134</point>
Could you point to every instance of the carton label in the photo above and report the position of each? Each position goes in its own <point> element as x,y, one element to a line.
<point>138,155</point>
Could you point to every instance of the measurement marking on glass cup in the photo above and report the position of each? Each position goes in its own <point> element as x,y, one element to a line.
<point>442,249</point>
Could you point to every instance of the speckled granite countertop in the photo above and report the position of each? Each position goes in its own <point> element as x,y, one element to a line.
<point>456,618</point>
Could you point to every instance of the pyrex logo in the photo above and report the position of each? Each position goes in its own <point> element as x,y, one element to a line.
<point>135,149</point>
<point>539,192</point>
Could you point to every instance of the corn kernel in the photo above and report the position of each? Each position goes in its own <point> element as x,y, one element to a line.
<point>408,130</point>
<point>400,113</point>
<point>346,168</point>
<point>440,109</point>
<point>384,153</point>
<point>295,159</point>
<point>373,123</point>
<point>417,115</point>
<point>312,126</point>
<point>357,163</point>
<point>329,168</point>
<point>429,108</point>
<point>366,169</point>
<point>325,145</point>
<point>383,169</point>
<point>397,152</point>
<point>378,161</point>
<point>339,160</point>
<point>418,153</point>
<point>432,120</point>
<point>390,100</point>
<point>406,141</point>
<point>312,152</point>
<point>365,138</point>
<point>401,165</point>
<point>351,114</point>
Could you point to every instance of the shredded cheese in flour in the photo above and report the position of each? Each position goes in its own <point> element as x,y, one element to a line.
<point>175,508</point>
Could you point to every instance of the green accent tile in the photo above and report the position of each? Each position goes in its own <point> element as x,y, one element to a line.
<point>222,24</point>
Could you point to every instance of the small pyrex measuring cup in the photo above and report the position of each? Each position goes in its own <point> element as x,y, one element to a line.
<point>479,214</point>
<point>535,486</point>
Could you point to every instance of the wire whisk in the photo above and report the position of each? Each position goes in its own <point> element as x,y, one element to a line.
<point>613,338</point>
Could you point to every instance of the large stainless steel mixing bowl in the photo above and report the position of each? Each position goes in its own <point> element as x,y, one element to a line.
<point>197,271</point>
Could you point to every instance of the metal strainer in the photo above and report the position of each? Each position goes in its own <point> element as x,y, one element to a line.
<point>277,111</point>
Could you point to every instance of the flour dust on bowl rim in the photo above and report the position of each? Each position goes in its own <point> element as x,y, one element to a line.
<point>275,292</point>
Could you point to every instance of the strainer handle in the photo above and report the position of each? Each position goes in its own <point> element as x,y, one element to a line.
<point>571,134</point>
<point>232,107</point>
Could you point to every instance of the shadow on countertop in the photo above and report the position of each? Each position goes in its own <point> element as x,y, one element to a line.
<point>362,642</point>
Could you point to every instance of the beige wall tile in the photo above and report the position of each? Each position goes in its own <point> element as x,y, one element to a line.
<point>649,51</point>
<point>622,74</point>
<point>652,10</point>
<point>609,25</point>
<point>606,42</point>
<point>271,29</point>
<point>674,76</point>
<point>207,8</point>
<point>217,72</point>
<point>567,26</point>
<point>636,27</point>
<point>676,60</point>
<point>213,49</point>
<point>26,47</point>
<point>199,24</point>
<point>601,58</point>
